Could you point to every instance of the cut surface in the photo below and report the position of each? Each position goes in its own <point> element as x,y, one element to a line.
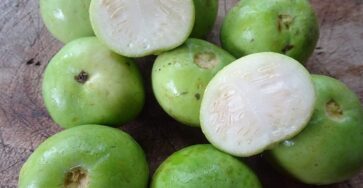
<point>255,102</point>
<point>142,27</point>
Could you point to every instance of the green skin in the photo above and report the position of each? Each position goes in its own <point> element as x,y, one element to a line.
<point>330,148</point>
<point>66,19</point>
<point>203,166</point>
<point>86,83</point>
<point>180,76</point>
<point>205,16</point>
<point>107,157</point>
<point>282,26</point>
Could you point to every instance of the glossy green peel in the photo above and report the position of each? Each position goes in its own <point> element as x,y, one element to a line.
<point>282,26</point>
<point>205,16</point>
<point>66,19</point>
<point>180,76</point>
<point>86,83</point>
<point>330,148</point>
<point>203,166</point>
<point>88,156</point>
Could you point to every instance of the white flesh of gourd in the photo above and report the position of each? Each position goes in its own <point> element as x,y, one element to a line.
<point>137,28</point>
<point>255,102</point>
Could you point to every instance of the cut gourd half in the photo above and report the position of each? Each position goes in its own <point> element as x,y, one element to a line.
<point>136,28</point>
<point>255,102</point>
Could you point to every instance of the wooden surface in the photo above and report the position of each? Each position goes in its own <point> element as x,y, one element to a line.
<point>26,47</point>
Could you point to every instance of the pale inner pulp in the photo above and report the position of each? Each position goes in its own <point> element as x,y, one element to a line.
<point>141,27</point>
<point>255,102</point>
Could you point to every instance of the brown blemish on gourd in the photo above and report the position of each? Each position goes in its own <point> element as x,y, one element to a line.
<point>333,110</point>
<point>197,96</point>
<point>206,60</point>
<point>76,178</point>
<point>284,20</point>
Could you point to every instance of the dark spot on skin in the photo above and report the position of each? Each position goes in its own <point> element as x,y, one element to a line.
<point>184,93</point>
<point>82,77</point>
<point>30,61</point>
<point>197,96</point>
<point>37,63</point>
<point>287,48</point>
<point>316,165</point>
<point>278,24</point>
<point>252,40</point>
<point>169,64</point>
<point>159,69</point>
<point>319,48</point>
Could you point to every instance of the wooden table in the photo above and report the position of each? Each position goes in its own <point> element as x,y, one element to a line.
<point>26,47</point>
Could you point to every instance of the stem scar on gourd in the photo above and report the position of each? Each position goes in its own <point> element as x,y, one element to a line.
<point>82,77</point>
<point>76,178</point>
<point>333,110</point>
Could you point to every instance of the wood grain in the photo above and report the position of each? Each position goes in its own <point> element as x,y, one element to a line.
<point>26,47</point>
